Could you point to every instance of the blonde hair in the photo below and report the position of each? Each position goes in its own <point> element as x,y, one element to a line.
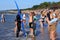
<point>43,13</point>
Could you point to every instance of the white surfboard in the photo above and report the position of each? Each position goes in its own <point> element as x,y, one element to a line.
<point>53,20</point>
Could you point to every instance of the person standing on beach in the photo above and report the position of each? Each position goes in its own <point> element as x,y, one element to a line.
<point>23,24</point>
<point>31,25</point>
<point>19,22</point>
<point>18,25</point>
<point>34,23</point>
<point>24,19</point>
<point>2,18</point>
<point>51,26</point>
<point>42,20</point>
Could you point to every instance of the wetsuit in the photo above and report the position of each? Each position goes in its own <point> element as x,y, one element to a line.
<point>18,20</point>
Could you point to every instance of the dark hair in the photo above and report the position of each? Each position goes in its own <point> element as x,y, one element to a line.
<point>41,11</point>
<point>33,13</point>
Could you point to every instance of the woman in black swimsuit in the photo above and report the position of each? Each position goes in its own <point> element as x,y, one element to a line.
<point>42,20</point>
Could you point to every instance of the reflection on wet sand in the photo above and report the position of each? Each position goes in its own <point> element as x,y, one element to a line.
<point>42,33</point>
<point>33,38</point>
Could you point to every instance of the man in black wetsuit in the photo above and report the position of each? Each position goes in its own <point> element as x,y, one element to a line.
<point>18,24</point>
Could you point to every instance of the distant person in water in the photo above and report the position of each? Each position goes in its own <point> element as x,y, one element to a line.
<point>2,18</point>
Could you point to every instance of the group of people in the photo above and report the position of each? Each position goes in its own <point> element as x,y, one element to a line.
<point>47,16</point>
<point>51,17</point>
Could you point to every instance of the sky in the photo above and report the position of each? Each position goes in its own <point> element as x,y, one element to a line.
<point>22,4</point>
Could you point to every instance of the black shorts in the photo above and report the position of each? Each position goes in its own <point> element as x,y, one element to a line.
<point>32,25</point>
<point>19,26</point>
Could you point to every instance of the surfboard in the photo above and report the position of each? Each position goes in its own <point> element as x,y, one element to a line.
<point>19,13</point>
<point>53,20</point>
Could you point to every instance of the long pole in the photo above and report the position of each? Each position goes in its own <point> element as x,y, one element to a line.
<point>17,7</point>
<point>22,24</point>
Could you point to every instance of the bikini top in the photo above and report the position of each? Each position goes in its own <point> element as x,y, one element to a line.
<point>43,18</point>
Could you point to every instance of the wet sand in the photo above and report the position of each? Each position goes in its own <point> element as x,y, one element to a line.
<point>7,32</point>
